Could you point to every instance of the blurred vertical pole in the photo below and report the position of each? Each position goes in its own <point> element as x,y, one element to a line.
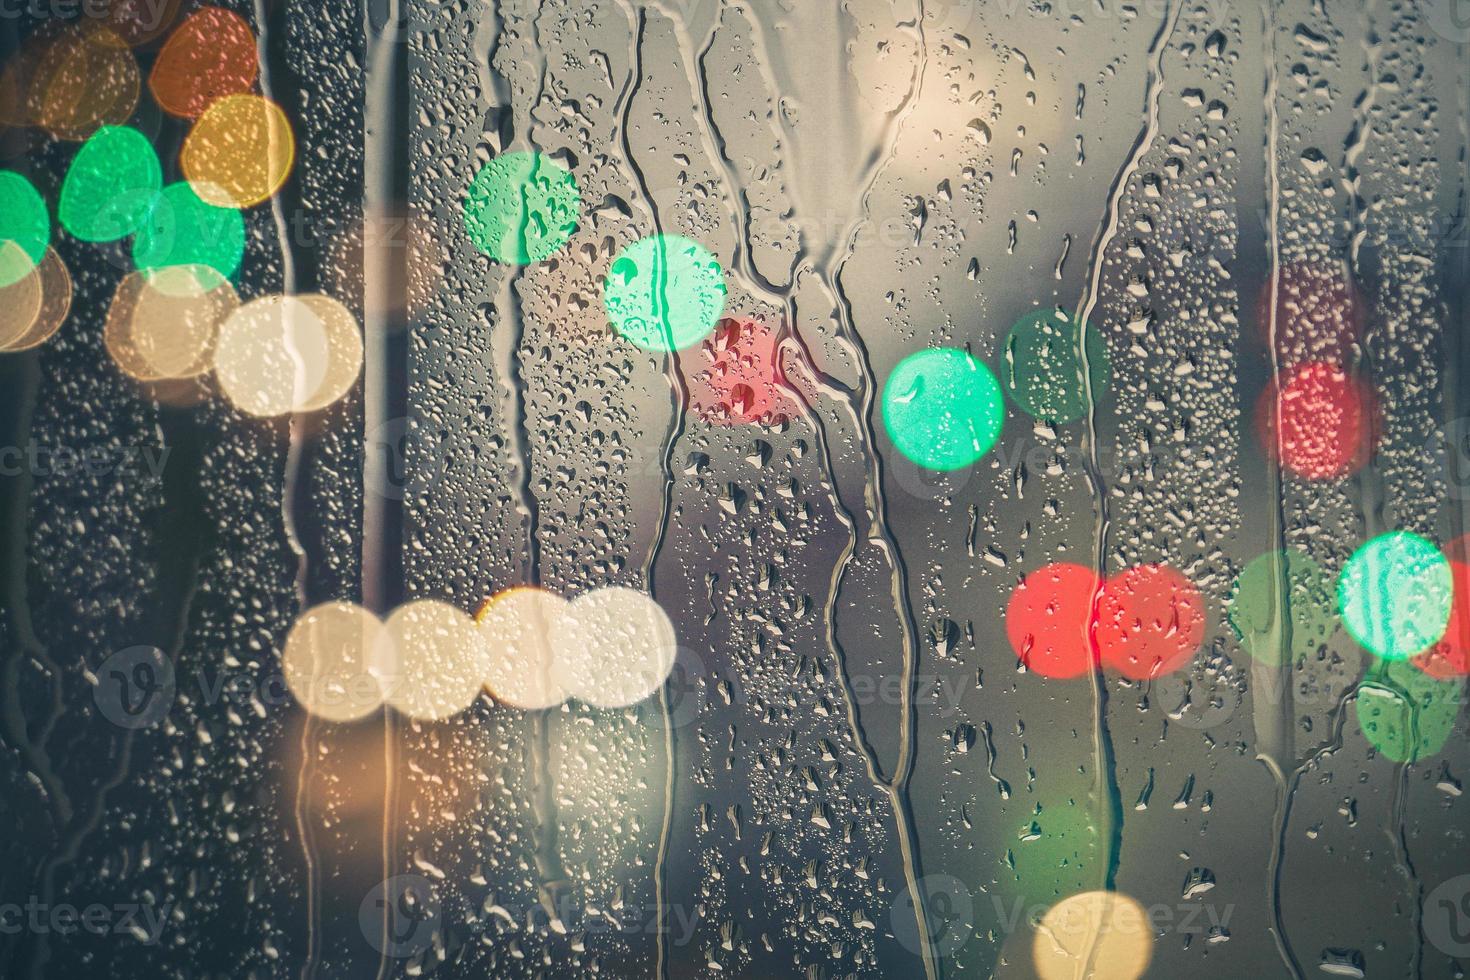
<point>385,333</point>
<point>385,348</point>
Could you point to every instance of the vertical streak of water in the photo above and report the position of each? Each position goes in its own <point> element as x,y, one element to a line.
<point>897,786</point>
<point>678,398</point>
<point>292,499</point>
<point>1271,727</point>
<point>1106,790</point>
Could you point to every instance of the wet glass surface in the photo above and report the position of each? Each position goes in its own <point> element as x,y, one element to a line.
<point>1007,463</point>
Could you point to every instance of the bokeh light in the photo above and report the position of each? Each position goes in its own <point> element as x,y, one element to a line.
<point>25,223</point>
<point>1256,612</point>
<point>1047,619</point>
<point>614,647</point>
<point>20,302</point>
<point>55,287</point>
<point>1405,714</point>
<point>181,229</point>
<point>942,408</point>
<point>519,626</point>
<point>1151,621</point>
<point>272,356</point>
<point>110,185</point>
<point>328,661</point>
<point>163,324</point>
<point>664,293</point>
<point>1093,936</point>
<point>522,207</point>
<point>82,78</point>
<point>1319,314</point>
<point>1328,422</point>
<point>1450,657</point>
<point>433,660</point>
<point>738,380</point>
<point>1043,366</point>
<point>344,351</point>
<point>239,152</point>
<point>1395,595</point>
<point>212,55</point>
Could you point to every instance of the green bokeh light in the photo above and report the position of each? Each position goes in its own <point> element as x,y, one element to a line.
<point>665,293</point>
<point>1395,595</point>
<point>522,207</point>
<point>110,186</point>
<point>1406,714</point>
<point>943,408</point>
<point>1257,617</point>
<point>180,229</point>
<point>1043,366</point>
<point>25,222</point>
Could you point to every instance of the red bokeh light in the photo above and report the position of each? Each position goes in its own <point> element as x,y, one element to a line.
<point>1319,314</point>
<point>1328,421</point>
<point>1047,620</point>
<point>1151,621</point>
<point>736,378</point>
<point>1450,657</point>
<point>211,55</point>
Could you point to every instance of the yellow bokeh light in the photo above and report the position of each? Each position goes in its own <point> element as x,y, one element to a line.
<point>519,629</point>
<point>614,647</point>
<point>344,351</point>
<point>1093,936</point>
<point>433,660</point>
<point>240,152</point>
<point>328,661</point>
<point>53,282</point>
<point>162,323</point>
<point>20,302</point>
<point>282,354</point>
<point>271,355</point>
